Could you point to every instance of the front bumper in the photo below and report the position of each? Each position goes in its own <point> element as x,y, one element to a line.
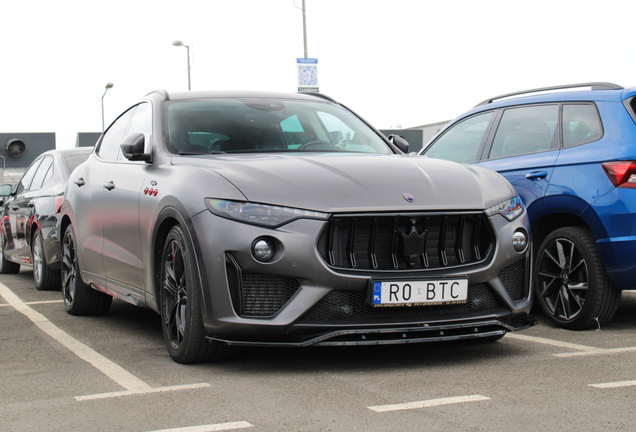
<point>325,306</point>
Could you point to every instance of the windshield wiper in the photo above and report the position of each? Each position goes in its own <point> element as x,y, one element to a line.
<point>195,153</point>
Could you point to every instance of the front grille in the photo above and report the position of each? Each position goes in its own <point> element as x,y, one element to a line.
<point>421,241</point>
<point>352,305</point>
<point>514,279</point>
<point>264,295</point>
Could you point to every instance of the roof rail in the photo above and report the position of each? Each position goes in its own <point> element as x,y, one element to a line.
<point>593,85</point>
<point>162,92</point>
<point>320,95</point>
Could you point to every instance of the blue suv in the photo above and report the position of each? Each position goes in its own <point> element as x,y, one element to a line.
<point>570,152</point>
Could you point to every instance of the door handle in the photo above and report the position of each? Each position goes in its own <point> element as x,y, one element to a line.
<point>109,185</point>
<point>537,175</point>
<point>15,208</point>
<point>79,181</point>
<point>30,205</point>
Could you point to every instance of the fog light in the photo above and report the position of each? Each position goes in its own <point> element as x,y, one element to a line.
<point>519,241</point>
<point>263,250</point>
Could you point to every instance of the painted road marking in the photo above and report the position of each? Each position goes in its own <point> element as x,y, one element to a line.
<point>211,428</point>
<point>131,383</point>
<point>614,384</point>
<point>429,403</point>
<point>36,302</point>
<point>582,350</point>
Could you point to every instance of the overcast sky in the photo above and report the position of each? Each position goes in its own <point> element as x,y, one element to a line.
<point>407,62</point>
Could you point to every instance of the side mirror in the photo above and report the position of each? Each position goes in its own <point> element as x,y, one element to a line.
<point>400,143</point>
<point>133,148</point>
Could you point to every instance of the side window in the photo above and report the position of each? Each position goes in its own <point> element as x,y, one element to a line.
<point>41,174</point>
<point>109,146</point>
<point>461,142</point>
<point>525,130</point>
<point>27,178</point>
<point>142,123</point>
<point>581,124</point>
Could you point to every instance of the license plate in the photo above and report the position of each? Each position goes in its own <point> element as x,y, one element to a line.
<point>419,292</point>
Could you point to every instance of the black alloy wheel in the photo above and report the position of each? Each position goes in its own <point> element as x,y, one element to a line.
<point>79,298</point>
<point>571,284</point>
<point>6,266</point>
<point>181,316</point>
<point>45,278</point>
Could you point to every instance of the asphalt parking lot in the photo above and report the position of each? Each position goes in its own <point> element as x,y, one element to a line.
<point>112,373</point>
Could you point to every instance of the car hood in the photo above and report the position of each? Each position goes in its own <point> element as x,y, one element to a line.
<point>353,182</point>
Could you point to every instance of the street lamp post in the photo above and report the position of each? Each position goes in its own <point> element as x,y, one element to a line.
<point>108,85</point>
<point>178,43</point>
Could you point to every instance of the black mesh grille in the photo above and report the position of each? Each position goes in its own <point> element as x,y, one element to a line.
<point>352,305</point>
<point>406,241</point>
<point>514,279</point>
<point>264,295</point>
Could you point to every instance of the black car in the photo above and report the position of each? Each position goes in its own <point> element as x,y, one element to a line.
<point>28,234</point>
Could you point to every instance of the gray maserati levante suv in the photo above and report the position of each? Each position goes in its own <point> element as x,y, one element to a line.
<point>287,220</point>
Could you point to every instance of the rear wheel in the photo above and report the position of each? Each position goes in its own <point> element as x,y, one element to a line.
<point>571,284</point>
<point>181,316</point>
<point>79,298</point>
<point>45,278</point>
<point>6,266</point>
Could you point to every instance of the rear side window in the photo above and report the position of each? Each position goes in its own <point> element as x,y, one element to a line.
<point>525,130</point>
<point>461,142</point>
<point>581,124</point>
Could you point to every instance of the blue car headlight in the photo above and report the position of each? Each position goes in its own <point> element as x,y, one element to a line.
<point>510,209</point>
<point>260,214</point>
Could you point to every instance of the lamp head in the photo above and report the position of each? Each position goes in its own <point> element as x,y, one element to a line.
<point>177,43</point>
<point>109,85</point>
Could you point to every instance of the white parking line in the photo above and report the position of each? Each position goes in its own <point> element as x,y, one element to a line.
<point>131,383</point>
<point>210,428</point>
<point>614,384</point>
<point>582,350</point>
<point>428,403</point>
<point>551,342</point>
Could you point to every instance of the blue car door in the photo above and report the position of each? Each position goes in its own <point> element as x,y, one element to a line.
<point>524,149</point>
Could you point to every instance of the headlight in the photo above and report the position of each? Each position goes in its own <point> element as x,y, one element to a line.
<point>511,209</point>
<point>260,214</point>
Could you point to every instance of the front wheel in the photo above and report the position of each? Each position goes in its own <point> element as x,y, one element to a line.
<point>571,284</point>
<point>79,298</point>
<point>181,316</point>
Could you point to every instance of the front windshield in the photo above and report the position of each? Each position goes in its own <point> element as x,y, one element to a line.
<point>252,125</point>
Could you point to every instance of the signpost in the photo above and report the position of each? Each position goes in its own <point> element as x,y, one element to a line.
<point>307,74</point>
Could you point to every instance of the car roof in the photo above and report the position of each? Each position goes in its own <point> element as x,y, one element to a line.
<point>238,94</point>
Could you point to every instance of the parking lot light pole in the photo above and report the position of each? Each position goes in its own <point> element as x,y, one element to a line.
<point>108,85</point>
<point>178,43</point>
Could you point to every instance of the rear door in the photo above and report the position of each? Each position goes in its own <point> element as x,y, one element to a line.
<point>524,149</point>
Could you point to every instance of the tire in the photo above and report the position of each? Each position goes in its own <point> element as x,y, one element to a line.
<point>571,284</point>
<point>45,278</point>
<point>79,298</point>
<point>6,266</point>
<point>180,307</point>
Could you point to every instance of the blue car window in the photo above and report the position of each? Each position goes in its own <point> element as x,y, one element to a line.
<point>525,130</point>
<point>461,142</point>
<point>581,124</point>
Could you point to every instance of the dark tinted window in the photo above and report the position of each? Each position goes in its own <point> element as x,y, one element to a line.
<point>40,175</point>
<point>109,146</point>
<point>27,178</point>
<point>461,142</point>
<point>266,125</point>
<point>526,130</point>
<point>581,124</point>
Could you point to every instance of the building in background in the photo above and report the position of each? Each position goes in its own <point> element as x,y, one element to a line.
<point>19,149</point>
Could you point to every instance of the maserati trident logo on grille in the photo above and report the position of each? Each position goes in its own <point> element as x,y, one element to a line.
<point>410,198</point>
